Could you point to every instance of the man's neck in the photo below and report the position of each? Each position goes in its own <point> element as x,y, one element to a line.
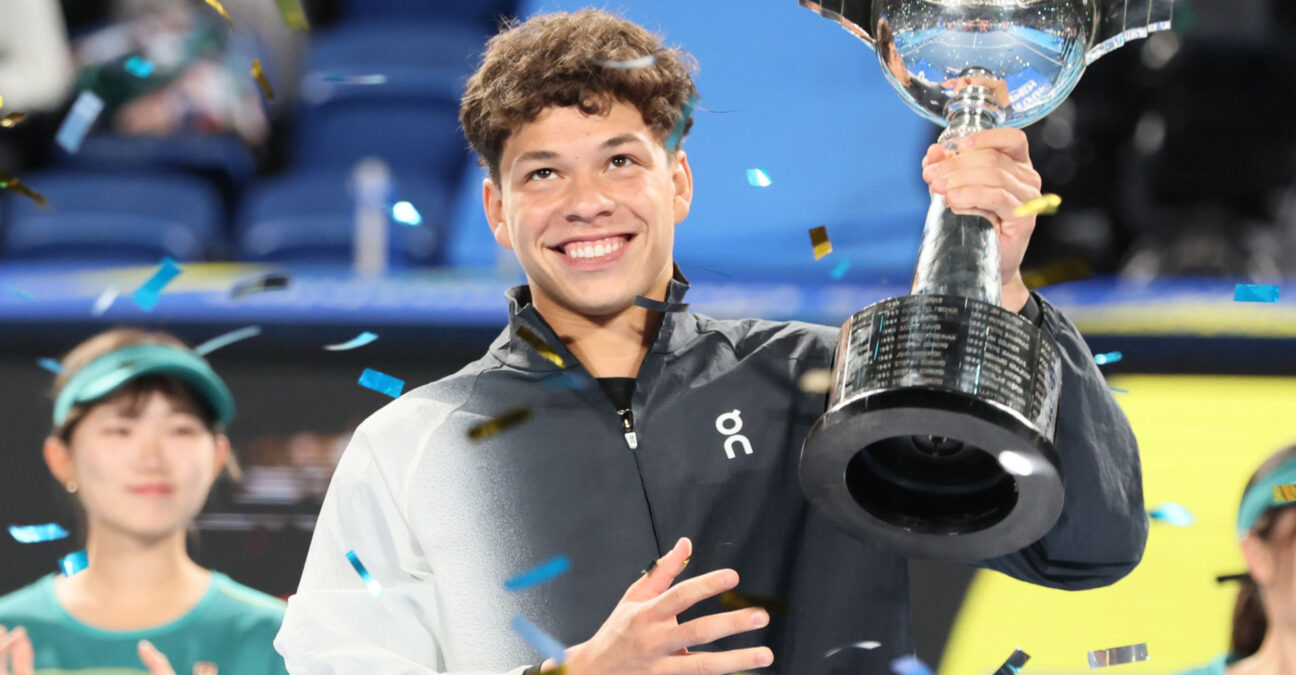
<point>608,346</point>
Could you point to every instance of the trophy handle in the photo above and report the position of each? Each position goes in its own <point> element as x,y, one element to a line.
<point>959,254</point>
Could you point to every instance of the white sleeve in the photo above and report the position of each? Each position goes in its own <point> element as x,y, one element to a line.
<point>334,626</point>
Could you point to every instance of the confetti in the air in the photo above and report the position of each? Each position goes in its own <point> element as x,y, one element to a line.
<point>630,64</point>
<point>35,534</point>
<point>382,382</point>
<point>146,296</point>
<point>405,214</point>
<point>259,73</point>
<point>539,640</point>
<point>19,293</point>
<point>74,562</point>
<point>79,119</point>
<point>227,339</point>
<point>336,78</point>
<point>274,281</point>
<point>104,301</point>
<point>738,600</point>
<point>1116,656</point>
<point>293,15</point>
<point>9,181</point>
<point>659,306</point>
<point>499,423</point>
<point>12,120</point>
<point>909,665</point>
<point>677,134</point>
<point>867,644</point>
<point>840,270</point>
<point>1115,390</point>
<point>537,343</point>
<point>1173,514</point>
<point>817,381</point>
<point>354,343</point>
<point>1046,205</point>
<point>1014,663</point>
<point>1057,272</point>
<point>370,583</point>
<point>540,574</point>
<point>51,365</point>
<point>1255,293</point>
<point>138,67</point>
<point>221,8</point>
<point>819,239</point>
<point>758,178</point>
<point>1284,493</point>
<point>1109,357</point>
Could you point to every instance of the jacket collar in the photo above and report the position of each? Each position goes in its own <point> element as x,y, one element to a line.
<point>677,329</point>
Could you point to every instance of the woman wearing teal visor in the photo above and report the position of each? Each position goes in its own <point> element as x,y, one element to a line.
<point>137,442</point>
<point>1264,618</point>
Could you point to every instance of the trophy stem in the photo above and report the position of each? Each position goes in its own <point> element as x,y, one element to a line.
<point>959,254</point>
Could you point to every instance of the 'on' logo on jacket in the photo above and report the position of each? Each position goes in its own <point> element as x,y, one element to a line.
<point>729,424</point>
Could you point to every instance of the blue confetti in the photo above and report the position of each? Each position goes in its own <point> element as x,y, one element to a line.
<point>146,296</point>
<point>1118,391</point>
<point>677,134</point>
<point>542,573</point>
<point>73,563</point>
<point>77,124</point>
<point>405,214</point>
<point>14,290</point>
<point>51,365</point>
<point>758,178</point>
<point>226,340</point>
<point>355,342</point>
<point>35,534</point>
<point>138,67</point>
<point>1255,293</point>
<point>382,383</point>
<point>909,665</point>
<point>539,640</point>
<point>370,583</point>
<point>1173,514</point>
<point>1109,357</point>
<point>840,270</point>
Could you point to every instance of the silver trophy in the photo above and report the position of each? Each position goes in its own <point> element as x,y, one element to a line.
<point>938,438</point>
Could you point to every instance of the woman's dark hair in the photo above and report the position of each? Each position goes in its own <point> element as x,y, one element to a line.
<point>1249,622</point>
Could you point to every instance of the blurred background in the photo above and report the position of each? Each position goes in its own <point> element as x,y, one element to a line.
<point>340,196</point>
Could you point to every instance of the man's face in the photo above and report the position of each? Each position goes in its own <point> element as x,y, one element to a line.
<point>589,204</point>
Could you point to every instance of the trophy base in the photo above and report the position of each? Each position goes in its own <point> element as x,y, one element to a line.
<point>937,439</point>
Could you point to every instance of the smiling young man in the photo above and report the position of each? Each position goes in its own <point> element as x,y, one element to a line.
<point>661,436</point>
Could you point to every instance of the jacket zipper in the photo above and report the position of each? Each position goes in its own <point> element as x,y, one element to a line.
<point>627,426</point>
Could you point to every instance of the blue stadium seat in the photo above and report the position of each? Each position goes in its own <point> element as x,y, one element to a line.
<point>222,157</point>
<point>486,12</point>
<point>308,217</point>
<point>414,134</point>
<point>116,218</point>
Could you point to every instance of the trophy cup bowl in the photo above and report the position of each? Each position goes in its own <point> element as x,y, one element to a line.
<point>938,436</point>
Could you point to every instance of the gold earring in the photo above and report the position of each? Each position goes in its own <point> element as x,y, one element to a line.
<point>71,486</point>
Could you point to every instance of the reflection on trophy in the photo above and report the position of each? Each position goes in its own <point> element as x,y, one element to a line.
<point>938,438</point>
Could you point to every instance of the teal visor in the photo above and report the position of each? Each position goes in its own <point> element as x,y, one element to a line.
<point>105,374</point>
<point>1260,497</point>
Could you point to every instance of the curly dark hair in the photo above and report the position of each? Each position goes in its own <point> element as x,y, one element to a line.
<point>561,59</point>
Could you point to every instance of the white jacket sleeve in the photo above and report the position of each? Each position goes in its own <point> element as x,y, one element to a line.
<point>334,626</point>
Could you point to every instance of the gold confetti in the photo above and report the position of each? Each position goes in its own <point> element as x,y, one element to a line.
<point>259,74</point>
<point>497,424</point>
<point>537,343</point>
<point>12,119</point>
<point>819,238</point>
<point>221,8</point>
<point>293,16</point>
<point>817,381</point>
<point>11,182</point>
<point>1284,493</point>
<point>686,560</point>
<point>738,600</point>
<point>1043,206</point>
<point>1059,271</point>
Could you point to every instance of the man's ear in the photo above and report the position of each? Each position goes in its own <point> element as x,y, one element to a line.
<point>682,179</point>
<point>1259,559</point>
<point>58,457</point>
<point>493,204</point>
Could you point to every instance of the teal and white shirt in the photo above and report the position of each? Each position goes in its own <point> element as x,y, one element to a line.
<point>233,626</point>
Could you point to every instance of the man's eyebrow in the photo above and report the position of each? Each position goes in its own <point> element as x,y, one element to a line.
<point>537,155</point>
<point>619,140</point>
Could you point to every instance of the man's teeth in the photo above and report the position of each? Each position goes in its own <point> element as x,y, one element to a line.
<point>595,249</point>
